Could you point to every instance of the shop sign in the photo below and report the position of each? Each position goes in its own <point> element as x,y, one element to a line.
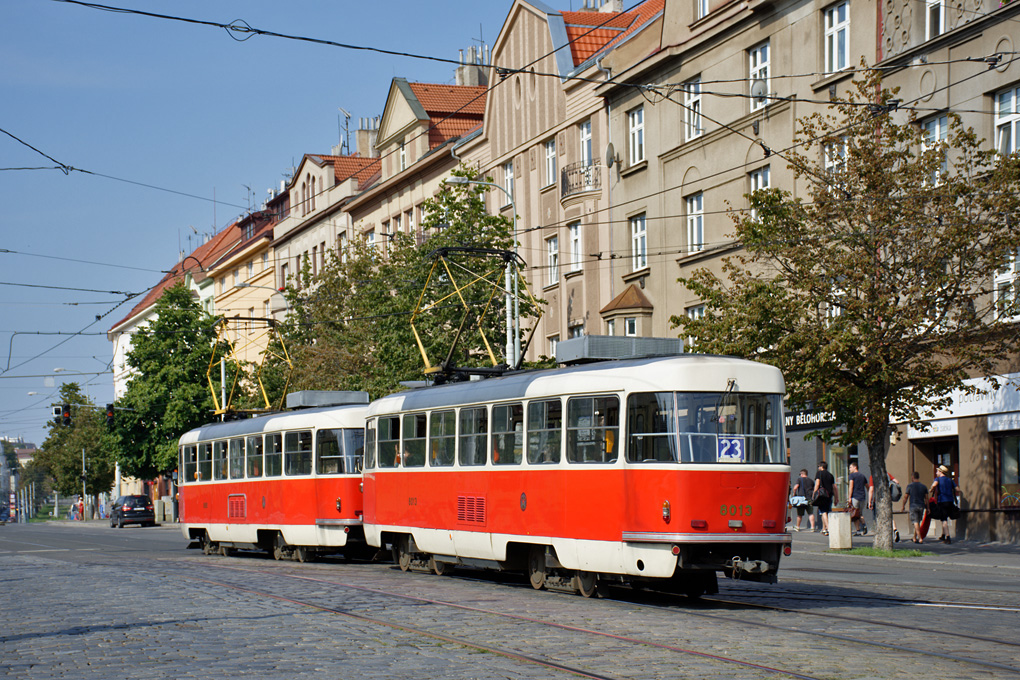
<point>1002,422</point>
<point>986,401</point>
<point>935,428</point>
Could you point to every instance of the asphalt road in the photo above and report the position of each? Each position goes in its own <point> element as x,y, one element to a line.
<point>87,601</point>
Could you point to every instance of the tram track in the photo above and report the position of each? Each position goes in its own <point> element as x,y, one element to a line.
<point>723,618</point>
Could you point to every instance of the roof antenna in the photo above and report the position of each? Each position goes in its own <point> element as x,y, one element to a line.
<point>344,130</point>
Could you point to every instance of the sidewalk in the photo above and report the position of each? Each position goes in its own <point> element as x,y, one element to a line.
<point>960,553</point>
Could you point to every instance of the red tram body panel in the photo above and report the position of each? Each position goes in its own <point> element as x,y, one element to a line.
<point>665,468</point>
<point>278,482</point>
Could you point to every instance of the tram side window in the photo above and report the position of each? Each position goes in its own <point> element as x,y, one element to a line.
<point>329,455</point>
<point>593,426</point>
<point>220,459</point>
<point>204,461</point>
<point>253,454</point>
<point>413,451</point>
<point>389,441</point>
<point>698,422</point>
<point>297,452</point>
<point>274,455</point>
<point>474,429</point>
<point>237,458</point>
<point>353,439</point>
<point>507,434</point>
<point>545,422</point>
<point>370,445</point>
<point>443,438</point>
<point>651,428</point>
<point>189,459</point>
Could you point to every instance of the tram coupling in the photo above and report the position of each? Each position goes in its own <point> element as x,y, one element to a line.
<point>759,570</point>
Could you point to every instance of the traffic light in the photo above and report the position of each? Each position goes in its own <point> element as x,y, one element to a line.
<point>109,416</point>
<point>57,413</point>
<point>65,414</point>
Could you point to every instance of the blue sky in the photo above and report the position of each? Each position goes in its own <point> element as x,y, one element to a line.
<point>177,106</point>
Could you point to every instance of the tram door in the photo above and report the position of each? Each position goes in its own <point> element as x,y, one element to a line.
<point>330,490</point>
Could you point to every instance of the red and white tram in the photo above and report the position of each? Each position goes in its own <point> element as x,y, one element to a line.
<point>661,469</point>
<point>288,483</point>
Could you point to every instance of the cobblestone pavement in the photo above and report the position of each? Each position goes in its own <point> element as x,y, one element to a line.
<point>90,602</point>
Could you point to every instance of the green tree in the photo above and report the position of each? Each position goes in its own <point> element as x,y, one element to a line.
<point>874,296</point>
<point>61,453</point>
<point>349,326</point>
<point>169,393</point>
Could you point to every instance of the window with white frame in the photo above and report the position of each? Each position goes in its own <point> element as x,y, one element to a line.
<point>694,313</point>
<point>265,261</point>
<point>508,183</point>
<point>758,63</point>
<point>409,221</point>
<point>934,18</point>
<point>402,157</point>
<point>1007,288</point>
<point>584,131</point>
<point>1007,120</point>
<point>396,225</point>
<point>611,327</point>
<point>636,135</point>
<point>552,259</point>
<point>266,309</point>
<point>630,326</point>
<point>370,240</point>
<point>760,179</point>
<point>638,242</point>
<point>936,130</point>
<point>695,223</point>
<point>834,156</point>
<point>251,269</point>
<point>700,9</point>
<point>574,234</point>
<point>553,341</point>
<point>550,161</point>
<point>837,36</point>
<point>575,330</point>
<point>341,245</point>
<point>692,109</point>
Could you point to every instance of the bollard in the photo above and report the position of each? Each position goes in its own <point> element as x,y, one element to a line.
<point>839,530</point>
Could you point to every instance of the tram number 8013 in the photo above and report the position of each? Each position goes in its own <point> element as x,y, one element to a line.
<point>735,510</point>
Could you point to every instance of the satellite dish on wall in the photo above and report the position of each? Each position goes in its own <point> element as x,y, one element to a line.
<point>610,155</point>
<point>759,90</point>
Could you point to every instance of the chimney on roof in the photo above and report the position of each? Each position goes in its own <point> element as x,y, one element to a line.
<point>473,69</point>
<point>368,131</point>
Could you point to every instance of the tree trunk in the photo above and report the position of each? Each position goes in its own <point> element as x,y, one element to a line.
<point>878,447</point>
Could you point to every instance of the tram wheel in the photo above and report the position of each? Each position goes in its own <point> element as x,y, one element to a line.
<point>439,568</point>
<point>278,546</point>
<point>209,547</point>
<point>226,551</point>
<point>536,566</point>
<point>587,583</point>
<point>402,553</point>
<point>301,554</point>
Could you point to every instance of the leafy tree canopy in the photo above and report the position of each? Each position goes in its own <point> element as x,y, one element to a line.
<point>872,291</point>
<point>169,393</point>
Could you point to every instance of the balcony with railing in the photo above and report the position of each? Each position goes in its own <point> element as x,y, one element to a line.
<point>580,177</point>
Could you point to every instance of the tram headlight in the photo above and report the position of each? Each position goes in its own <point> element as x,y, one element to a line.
<point>666,513</point>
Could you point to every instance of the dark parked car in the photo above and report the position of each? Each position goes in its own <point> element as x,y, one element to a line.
<point>132,510</point>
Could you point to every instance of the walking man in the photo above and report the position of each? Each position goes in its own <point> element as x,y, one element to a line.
<point>824,494</point>
<point>917,494</point>
<point>803,488</point>
<point>858,499</point>
<point>945,489</point>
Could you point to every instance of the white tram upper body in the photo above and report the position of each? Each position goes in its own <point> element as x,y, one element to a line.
<point>281,482</point>
<point>661,468</point>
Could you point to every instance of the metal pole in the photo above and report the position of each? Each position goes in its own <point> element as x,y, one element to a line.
<point>223,383</point>
<point>83,496</point>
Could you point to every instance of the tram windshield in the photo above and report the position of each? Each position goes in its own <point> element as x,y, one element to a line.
<point>339,451</point>
<point>704,427</point>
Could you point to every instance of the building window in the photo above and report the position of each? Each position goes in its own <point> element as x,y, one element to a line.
<point>266,309</point>
<point>760,179</point>
<point>692,109</point>
<point>835,157</point>
<point>315,260</point>
<point>265,261</point>
<point>553,341</point>
<point>837,36</point>
<point>636,134</point>
<point>575,331</point>
<point>935,17</point>
<point>759,70</point>
<point>1007,120</point>
<point>508,182</point>
<point>249,231</point>
<point>396,225</point>
<point>611,327</point>
<point>630,326</point>
<point>695,223</point>
<point>341,245</point>
<point>700,9</point>
<point>552,252</point>
<point>251,269</point>
<point>585,139</point>
<point>936,130</point>
<point>370,240</point>
<point>638,242</point>
<point>402,157</point>
<point>574,233</point>
<point>223,284</point>
<point>694,313</point>
<point>1007,287</point>
<point>409,219</point>
<point>284,274</point>
<point>550,162</point>
<point>311,195</point>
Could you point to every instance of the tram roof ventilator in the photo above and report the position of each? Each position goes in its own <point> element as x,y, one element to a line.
<point>591,348</point>
<point>319,398</point>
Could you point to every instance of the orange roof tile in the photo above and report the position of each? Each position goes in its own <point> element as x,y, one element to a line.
<point>345,167</point>
<point>612,27</point>
<point>461,99</point>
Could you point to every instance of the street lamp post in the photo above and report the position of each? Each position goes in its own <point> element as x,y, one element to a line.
<point>513,316</point>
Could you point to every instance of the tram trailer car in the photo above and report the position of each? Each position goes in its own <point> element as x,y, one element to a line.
<point>664,470</point>
<point>288,483</point>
